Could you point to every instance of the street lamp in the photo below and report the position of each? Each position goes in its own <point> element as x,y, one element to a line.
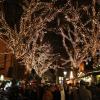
<point>65,73</point>
<point>1,78</point>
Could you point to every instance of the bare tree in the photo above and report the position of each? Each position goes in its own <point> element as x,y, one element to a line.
<point>26,42</point>
<point>82,32</point>
<point>79,28</point>
<point>40,59</point>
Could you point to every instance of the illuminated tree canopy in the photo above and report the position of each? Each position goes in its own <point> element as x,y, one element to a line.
<point>78,26</point>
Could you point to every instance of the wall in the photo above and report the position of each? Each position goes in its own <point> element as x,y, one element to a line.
<point>5,59</point>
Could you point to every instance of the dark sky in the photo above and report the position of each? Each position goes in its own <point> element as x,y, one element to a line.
<point>13,12</point>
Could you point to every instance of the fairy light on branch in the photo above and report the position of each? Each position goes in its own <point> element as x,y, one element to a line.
<point>23,43</point>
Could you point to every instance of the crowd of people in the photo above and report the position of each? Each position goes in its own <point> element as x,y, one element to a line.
<point>34,91</point>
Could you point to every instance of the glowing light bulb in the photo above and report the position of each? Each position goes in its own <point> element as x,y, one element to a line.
<point>65,73</point>
<point>1,77</point>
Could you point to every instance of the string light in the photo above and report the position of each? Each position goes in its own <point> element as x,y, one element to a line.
<point>31,31</point>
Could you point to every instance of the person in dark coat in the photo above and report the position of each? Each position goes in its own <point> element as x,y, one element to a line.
<point>82,93</point>
<point>56,93</point>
